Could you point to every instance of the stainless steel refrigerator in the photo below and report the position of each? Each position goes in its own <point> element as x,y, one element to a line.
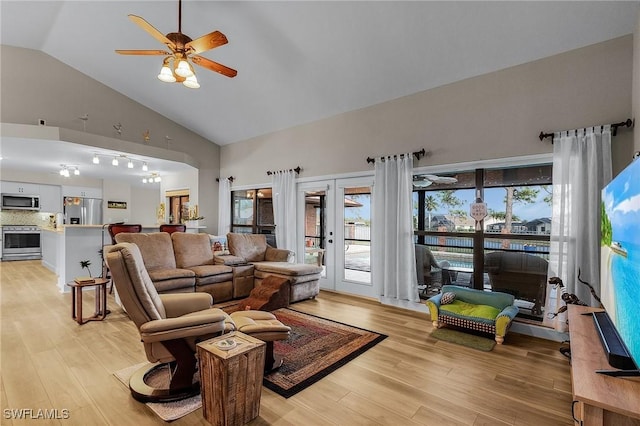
<point>82,211</point>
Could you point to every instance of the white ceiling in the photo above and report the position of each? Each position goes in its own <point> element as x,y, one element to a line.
<point>299,62</point>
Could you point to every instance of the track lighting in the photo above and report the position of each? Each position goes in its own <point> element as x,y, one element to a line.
<point>114,162</point>
<point>64,170</point>
<point>96,159</point>
<point>154,178</point>
<point>145,168</point>
<point>130,164</point>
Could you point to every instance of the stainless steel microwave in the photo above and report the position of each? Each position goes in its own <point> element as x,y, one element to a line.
<point>20,202</point>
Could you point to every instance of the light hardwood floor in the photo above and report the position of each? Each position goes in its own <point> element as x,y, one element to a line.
<point>48,361</point>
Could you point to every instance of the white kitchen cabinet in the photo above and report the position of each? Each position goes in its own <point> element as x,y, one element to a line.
<point>7,187</point>
<point>50,198</point>
<point>81,191</point>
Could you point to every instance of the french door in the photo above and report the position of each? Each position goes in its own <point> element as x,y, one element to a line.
<point>334,225</point>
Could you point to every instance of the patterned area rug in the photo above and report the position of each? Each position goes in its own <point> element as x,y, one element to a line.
<point>167,411</point>
<point>316,347</point>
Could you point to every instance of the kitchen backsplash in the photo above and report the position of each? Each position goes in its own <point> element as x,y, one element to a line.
<point>17,217</point>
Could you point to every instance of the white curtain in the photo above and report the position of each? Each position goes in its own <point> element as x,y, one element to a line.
<point>224,206</point>
<point>581,168</point>
<point>393,252</point>
<point>284,208</point>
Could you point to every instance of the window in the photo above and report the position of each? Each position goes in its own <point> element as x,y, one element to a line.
<point>245,204</point>
<point>518,202</point>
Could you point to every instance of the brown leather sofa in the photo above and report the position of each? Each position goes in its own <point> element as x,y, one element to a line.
<point>182,263</point>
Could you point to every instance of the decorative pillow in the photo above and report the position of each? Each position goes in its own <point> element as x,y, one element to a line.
<point>218,244</point>
<point>447,298</point>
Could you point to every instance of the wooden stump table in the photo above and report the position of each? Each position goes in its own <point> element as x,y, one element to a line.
<point>231,380</point>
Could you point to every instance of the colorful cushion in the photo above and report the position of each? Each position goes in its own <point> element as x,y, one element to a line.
<point>469,310</point>
<point>447,298</point>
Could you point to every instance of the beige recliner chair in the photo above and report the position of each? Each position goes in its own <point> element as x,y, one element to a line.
<point>170,325</point>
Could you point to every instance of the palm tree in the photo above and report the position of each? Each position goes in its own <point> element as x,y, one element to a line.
<point>430,204</point>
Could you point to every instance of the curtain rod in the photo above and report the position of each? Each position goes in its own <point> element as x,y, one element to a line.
<point>614,129</point>
<point>230,179</point>
<point>418,154</point>
<point>297,170</point>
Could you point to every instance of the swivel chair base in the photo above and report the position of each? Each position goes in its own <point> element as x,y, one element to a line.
<point>143,392</point>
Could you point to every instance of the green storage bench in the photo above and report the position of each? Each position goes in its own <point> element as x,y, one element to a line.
<point>488,312</point>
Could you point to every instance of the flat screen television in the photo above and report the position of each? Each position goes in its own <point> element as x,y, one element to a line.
<point>619,326</point>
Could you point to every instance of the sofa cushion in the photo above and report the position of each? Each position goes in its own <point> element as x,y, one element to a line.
<point>288,269</point>
<point>482,313</point>
<point>192,249</point>
<point>170,274</point>
<point>228,259</point>
<point>211,270</point>
<point>156,248</point>
<point>251,247</point>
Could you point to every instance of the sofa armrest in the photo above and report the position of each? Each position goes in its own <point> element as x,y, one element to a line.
<point>510,312</point>
<point>176,305</point>
<point>181,327</point>
<point>277,255</point>
<point>433,303</point>
<point>504,319</point>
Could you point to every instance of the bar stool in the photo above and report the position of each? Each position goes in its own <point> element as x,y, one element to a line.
<point>115,229</point>
<point>173,227</point>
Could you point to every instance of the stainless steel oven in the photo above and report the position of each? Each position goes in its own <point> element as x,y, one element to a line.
<point>21,242</point>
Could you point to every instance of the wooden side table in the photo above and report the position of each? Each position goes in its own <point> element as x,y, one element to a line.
<point>101,300</point>
<point>231,380</point>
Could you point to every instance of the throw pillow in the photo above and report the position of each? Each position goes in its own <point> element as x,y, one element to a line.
<point>447,298</point>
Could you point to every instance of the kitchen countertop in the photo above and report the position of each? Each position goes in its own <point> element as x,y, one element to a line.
<point>155,226</point>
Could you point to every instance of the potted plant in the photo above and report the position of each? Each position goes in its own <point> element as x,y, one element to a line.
<point>86,264</point>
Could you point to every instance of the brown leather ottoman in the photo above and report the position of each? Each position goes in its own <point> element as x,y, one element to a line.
<point>272,294</point>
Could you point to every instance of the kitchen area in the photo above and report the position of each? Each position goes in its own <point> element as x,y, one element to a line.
<point>64,225</point>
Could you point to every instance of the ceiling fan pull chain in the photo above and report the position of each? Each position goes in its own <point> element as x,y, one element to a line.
<point>180,16</point>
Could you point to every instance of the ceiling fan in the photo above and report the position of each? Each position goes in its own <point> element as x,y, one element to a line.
<point>422,181</point>
<point>176,66</point>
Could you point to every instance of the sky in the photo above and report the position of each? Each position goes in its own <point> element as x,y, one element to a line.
<point>494,197</point>
<point>621,199</point>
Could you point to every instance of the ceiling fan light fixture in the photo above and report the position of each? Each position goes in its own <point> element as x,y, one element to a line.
<point>183,69</point>
<point>166,75</point>
<point>191,82</point>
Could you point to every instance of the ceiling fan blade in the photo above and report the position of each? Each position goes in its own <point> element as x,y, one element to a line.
<point>151,30</point>
<point>213,66</point>
<point>207,42</point>
<point>421,183</point>
<point>143,52</point>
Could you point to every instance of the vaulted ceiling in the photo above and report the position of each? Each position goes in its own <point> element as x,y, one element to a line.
<point>301,61</point>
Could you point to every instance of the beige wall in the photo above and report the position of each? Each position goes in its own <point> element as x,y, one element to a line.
<point>496,115</point>
<point>34,85</point>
